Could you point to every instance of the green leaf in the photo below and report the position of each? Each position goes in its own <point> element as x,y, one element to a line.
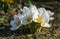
<point>2,28</point>
<point>2,19</point>
<point>29,3</point>
<point>34,27</point>
<point>8,9</point>
<point>2,5</point>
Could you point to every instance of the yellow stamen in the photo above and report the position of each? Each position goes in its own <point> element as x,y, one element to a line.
<point>18,23</point>
<point>43,24</point>
<point>28,19</point>
<point>38,19</point>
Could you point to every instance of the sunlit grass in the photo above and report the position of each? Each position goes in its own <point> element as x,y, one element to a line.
<point>8,1</point>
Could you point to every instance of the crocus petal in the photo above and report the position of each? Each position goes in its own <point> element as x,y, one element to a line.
<point>33,9</point>
<point>25,9</point>
<point>15,17</point>
<point>48,25</point>
<point>40,10</point>
<point>45,13</point>
<point>50,13</point>
<point>20,16</point>
<point>46,20</point>
<point>51,18</point>
<point>25,22</point>
<point>12,23</point>
<point>14,28</point>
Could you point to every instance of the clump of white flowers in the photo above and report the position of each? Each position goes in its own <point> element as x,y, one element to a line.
<point>31,13</point>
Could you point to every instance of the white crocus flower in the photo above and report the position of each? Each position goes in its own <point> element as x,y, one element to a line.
<point>16,23</point>
<point>40,19</point>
